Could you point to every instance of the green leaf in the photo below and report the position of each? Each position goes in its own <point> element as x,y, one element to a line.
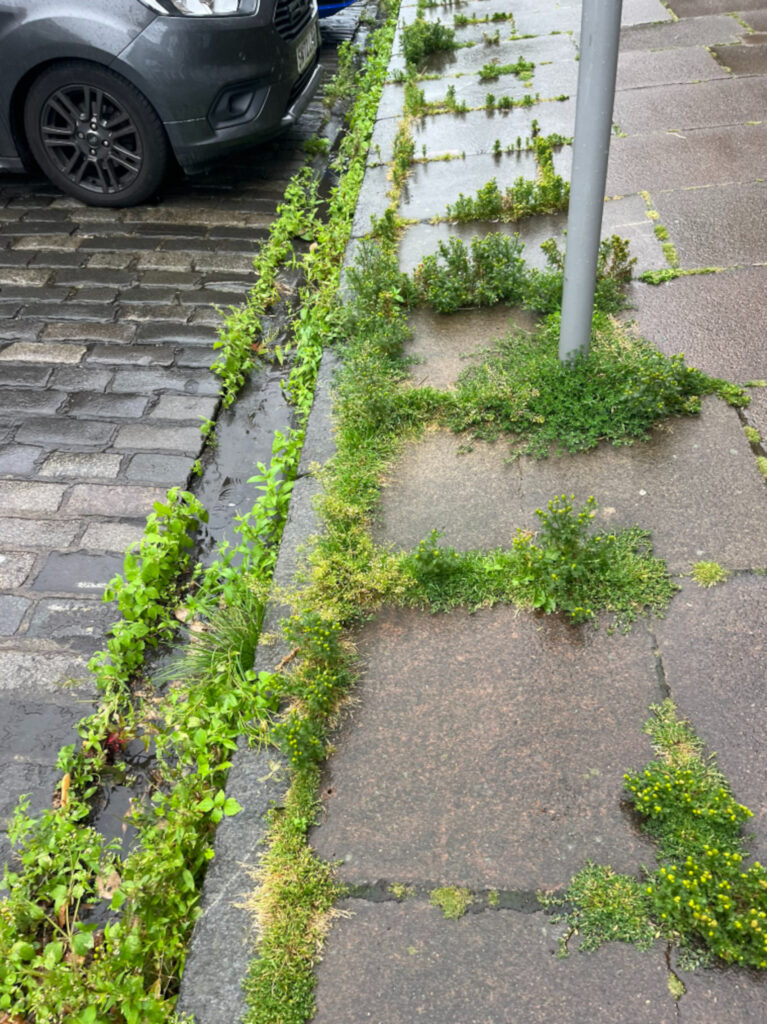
<point>231,807</point>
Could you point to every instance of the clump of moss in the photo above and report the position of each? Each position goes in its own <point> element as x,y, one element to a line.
<point>452,901</point>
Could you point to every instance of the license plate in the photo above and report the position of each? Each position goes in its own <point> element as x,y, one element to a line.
<point>306,49</point>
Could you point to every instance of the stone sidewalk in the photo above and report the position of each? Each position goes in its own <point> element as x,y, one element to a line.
<point>487,751</point>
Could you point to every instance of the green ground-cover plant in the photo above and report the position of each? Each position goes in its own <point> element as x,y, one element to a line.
<point>566,567</point>
<point>708,574</point>
<point>523,69</point>
<point>492,269</point>
<point>421,38</point>
<point>548,193</point>
<point>452,901</point>
<point>615,394</point>
<point>704,896</point>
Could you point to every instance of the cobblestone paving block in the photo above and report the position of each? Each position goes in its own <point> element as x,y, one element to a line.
<point>175,334</point>
<point>34,276</point>
<point>19,497</point>
<point>15,567</point>
<point>30,401</point>
<point>113,333</point>
<point>144,381</point>
<point>41,352</point>
<point>12,611</point>
<point>33,730</point>
<point>39,533</point>
<point>486,968</point>
<point>18,460</point>
<point>80,378</point>
<point>132,355</point>
<point>118,500</point>
<point>61,618</point>
<point>46,671</point>
<point>37,781</point>
<point>158,468</point>
<point>183,407</point>
<point>76,572</point>
<point>73,311</point>
<point>117,407</point>
<point>24,376</point>
<point>112,536</point>
<point>81,465</point>
<point>47,242</point>
<point>149,312</point>
<point>56,430</point>
<point>169,437</point>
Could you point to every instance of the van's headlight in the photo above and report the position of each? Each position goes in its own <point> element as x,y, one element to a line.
<point>195,8</point>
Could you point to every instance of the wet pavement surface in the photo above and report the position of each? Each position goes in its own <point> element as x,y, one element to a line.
<point>107,324</point>
<point>488,750</point>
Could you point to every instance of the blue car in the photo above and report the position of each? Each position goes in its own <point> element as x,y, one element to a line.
<point>325,10</point>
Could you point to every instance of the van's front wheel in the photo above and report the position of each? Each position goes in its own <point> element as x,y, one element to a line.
<point>94,135</point>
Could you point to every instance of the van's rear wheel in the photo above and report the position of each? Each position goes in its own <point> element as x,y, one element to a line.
<point>95,135</point>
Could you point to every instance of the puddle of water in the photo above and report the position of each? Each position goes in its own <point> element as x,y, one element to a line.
<point>244,436</point>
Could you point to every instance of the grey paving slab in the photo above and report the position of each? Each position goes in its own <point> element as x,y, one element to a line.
<point>694,31</point>
<point>682,160</point>
<point>640,69</point>
<point>755,18</point>
<point>476,131</point>
<point>682,485</point>
<point>713,646</point>
<point>168,437</point>
<point>431,186</point>
<point>444,345</point>
<point>34,729</point>
<point>718,226</point>
<point>38,782</point>
<point>399,963</point>
<point>725,996</point>
<point>97,406</point>
<point>549,717</point>
<point>726,101</point>
<point>42,352</point>
<point>703,315</point>
<point>695,8</point>
<point>61,430</point>
<point>743,59</point>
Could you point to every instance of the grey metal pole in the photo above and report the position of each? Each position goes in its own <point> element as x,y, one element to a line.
<point>600,36</point>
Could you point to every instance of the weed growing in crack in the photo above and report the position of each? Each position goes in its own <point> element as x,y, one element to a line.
<point>421,38</point>
<point>708,574</point>
<point>452,901</point>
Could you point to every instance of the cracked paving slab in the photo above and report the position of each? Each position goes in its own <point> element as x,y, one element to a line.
<point>686,485</point>
<point>548,718</point>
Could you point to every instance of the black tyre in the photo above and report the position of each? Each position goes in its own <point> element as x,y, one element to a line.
<point>94,135</point>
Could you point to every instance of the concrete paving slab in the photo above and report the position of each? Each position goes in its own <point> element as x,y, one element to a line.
<point>697,31</point>
<point>549,718</point>
<point>77,572</point>
<point>444,345</point>
<point>728,996</point>
<point>641,69</point>
<point>726,101</point>
<point>713,648</point>
<point>718,226</point>
<point>743,59</point>
<point>469,62</point>
<point>683,485</point>
<point>477,131</point>
<point>624,217</point>
<point>707,156</point>
<point>431,186</point>
<point>716,318</point>
<point>695,8</point>
<point>400,963</point>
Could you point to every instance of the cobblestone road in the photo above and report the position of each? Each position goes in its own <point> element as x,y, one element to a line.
<point>107,321</point>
